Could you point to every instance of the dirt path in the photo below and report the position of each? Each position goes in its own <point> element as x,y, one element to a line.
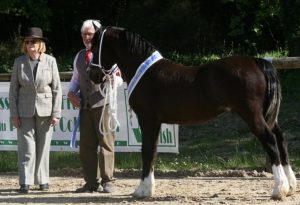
<point>169,190</point>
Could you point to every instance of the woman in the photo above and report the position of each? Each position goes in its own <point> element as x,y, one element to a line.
<point>35,107</point>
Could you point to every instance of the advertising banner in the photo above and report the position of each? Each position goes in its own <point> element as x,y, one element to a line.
<point>128,134</point>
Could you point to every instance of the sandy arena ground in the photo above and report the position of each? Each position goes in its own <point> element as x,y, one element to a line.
<point>169,190</point>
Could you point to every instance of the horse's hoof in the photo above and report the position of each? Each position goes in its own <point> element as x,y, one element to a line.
<point>291,179</point>
<point>292,190</point>
<point>140,194</point>
<point>278,198</point>
<point>292,185</point>
<point>146,187</point>
<point>134,195</point>
<point>280,192</point>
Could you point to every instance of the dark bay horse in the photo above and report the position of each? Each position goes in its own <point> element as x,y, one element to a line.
<point>166,92</point>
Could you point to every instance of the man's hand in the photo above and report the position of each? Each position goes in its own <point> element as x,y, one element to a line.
<point>74,99</point>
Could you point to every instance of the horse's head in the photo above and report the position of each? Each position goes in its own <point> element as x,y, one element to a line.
<point>104,56</point>
<point>114,45</point>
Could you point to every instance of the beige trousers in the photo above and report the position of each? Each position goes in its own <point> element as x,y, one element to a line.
<point>96,166</point>
<point>34,139</point>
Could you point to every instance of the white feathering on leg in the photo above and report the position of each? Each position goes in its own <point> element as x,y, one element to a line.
<point>281,187</point>
<point>291,179</point>
<point>146,187</point>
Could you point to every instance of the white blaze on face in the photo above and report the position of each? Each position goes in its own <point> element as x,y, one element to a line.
<point>146,187</point>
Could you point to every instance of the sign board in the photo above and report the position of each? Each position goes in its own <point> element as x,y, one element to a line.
<point>128,134</point>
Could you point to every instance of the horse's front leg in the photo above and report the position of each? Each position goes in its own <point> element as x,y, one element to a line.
<point>150,130</point>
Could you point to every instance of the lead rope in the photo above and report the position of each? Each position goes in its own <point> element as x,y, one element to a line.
<point>109,90</point>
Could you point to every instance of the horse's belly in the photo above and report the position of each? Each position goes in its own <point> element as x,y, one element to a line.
<point>189,115</point>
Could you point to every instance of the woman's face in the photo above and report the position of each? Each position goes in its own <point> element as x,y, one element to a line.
<point>32,45</point>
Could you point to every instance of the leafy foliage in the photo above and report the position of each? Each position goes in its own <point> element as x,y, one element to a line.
<point>182,27</point>
<point>8,51</point>
<point>36,11</point>
<point>256,22</point>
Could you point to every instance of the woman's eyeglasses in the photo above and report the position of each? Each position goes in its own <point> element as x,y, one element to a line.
<point>31,41</point>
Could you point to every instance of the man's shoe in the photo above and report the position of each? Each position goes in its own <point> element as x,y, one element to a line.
<point>86,189</point>
<point>99,189</point>
<point>108,187</point>
<point>24,189</point>
<point>44,187</point>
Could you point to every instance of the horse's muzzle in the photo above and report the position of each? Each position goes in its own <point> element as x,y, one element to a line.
<point>95,74</point>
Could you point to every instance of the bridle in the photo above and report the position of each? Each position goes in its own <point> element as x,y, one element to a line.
<point>104,71</point>
<point>109,92</point>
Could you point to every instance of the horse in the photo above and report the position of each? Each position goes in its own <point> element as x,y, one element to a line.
<point>163,91</point>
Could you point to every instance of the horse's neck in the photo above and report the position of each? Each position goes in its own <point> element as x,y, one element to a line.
<point>128,67</point>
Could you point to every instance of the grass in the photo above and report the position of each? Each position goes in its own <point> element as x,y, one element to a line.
<point>8,161</point>
<point>224,143</point>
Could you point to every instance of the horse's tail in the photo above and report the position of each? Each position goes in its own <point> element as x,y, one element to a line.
<point>273,91</point>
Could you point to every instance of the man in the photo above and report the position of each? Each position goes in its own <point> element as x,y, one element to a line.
<point>97,168</point>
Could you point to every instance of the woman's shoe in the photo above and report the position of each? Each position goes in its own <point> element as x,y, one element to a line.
<point>44,187</point>
<point>24,188</point>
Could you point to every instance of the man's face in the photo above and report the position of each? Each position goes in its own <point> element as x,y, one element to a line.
<point>87,36</point>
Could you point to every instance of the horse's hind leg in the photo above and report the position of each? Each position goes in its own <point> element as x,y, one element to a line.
<point>268,140</point>
<point>284,158</point>
<point>150,130</point>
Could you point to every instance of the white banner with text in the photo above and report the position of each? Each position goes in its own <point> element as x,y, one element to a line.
<point>128,134</point>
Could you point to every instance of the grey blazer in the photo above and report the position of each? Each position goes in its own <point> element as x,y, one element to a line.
<point>43,95</point>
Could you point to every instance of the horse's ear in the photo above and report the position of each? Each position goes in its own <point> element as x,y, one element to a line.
<point>95,26</point>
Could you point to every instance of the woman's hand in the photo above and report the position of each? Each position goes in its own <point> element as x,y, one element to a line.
<point>53,121</point>
<point>16,122</point>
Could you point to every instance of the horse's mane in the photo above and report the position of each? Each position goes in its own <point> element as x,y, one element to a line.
<point>135,44</point>
<point>138,45</point>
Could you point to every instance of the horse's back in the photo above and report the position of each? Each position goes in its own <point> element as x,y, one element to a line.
<point>234,80</point>
<point>238,75</point>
